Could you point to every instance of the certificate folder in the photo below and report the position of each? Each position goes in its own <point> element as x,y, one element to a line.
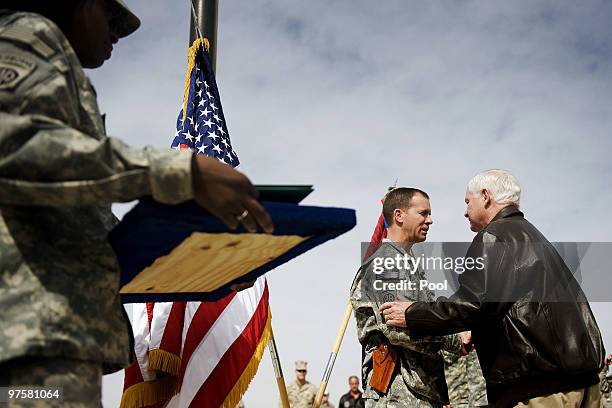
<point>183,253</point>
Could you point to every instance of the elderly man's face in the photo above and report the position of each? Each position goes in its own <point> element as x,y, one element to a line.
<point>416,219</point>
<point>475,211</point>
<point>354,384</point>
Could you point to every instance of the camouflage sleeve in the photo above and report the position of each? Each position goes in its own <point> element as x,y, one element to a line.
<point>53,148</point>
<point>452,344</point>
<point>603,380</point>
<point>370,321</point>
<point>44,162</point>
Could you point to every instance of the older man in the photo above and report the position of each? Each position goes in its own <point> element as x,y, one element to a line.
<point>353,398</point>
<point>536,337</point>
<point>398,370</point>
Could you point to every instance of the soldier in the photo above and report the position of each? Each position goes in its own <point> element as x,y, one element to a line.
<point>466,385</point>
<point>325,401</point>
<point>398,370</point>
<point>301,393</point>
<point>62,319</point>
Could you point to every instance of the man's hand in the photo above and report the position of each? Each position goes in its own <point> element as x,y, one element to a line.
<point>608,359</point>
<point>228,194</point>
<point>395,313</point>
<point>466,343</point>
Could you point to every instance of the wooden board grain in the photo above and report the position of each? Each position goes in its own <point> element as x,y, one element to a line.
<point>204,262</point>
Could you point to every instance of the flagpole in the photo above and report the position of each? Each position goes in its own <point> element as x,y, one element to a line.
<point>204,23</point>
<point>332,358</point>
<point>278,371</point>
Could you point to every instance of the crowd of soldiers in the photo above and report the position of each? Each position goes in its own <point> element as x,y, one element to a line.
<point>466,386</point>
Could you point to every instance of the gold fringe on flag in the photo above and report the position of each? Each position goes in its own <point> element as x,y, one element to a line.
<point>164,361</point>
<point>149,393</point>
<point>234,397</point>
<point>193,50</point>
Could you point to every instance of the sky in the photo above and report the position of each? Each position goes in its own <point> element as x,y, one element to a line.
<point>351,95</point>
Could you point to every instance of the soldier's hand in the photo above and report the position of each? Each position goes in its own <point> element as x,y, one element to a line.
<point>609,359</point>
<point>228,194</point>
<point>395,313</point>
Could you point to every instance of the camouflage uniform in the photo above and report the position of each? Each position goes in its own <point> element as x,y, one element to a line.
<point>466,385</point>
<point>419,378</point>
<point>605,387</point>
<point>301,396</point>
<point>327,405</point>
<point>59,174</point>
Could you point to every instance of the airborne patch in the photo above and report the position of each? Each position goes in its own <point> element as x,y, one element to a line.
<point>13,70</point>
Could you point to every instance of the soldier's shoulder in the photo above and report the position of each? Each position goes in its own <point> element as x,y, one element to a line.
<point>32,53</point>
<point>31,29</point>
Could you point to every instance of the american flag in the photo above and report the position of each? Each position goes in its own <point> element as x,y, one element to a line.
<point>202,127</point>
<point>199,354</point>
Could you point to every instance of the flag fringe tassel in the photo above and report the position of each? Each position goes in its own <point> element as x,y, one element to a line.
<point>164,361</point>
<point>149,393</point>
<point>235,395</point>
<point>191,55</point>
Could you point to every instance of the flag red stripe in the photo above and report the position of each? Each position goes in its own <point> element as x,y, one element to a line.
<point>202,321</point>
<point>233,363</point>
<point>173,332</point>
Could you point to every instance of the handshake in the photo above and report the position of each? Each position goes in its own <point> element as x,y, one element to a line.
<point>394,314</point>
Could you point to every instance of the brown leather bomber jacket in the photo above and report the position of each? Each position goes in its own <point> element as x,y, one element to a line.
<point>531,323</point>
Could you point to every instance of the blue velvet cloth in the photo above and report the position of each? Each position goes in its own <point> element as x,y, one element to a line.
<point>151,230</point>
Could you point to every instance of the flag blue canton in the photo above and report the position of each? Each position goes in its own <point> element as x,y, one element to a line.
<point>204,130</point>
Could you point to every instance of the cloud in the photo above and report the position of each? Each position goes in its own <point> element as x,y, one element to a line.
<point>350,95</point>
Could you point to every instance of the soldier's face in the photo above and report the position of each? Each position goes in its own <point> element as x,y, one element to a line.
<point>300,374</point>
<point>89,32</point>
<point>416,219</point>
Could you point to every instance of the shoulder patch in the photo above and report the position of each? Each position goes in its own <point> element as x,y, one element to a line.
<point>14,69</point>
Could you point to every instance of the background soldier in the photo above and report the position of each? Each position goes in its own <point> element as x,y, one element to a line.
<point>62,319</point>
<point>301,393</point>
<point>604,382</point>
<point>325,401</point>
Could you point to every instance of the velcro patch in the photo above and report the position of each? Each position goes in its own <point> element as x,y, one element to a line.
<point>14,69</point>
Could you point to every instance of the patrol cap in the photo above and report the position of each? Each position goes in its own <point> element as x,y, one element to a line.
<point>301,365</point>
<point>123,22</point>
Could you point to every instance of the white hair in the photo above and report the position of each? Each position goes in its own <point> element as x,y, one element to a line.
<point>503,186</point>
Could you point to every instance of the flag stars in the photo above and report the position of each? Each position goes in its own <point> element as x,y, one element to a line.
<point>205,112</point>
<point>208,123</point>
<point>202,149</point>
<point>217,118</point>
<point>217,149</point>
<point>212,135</point>
<point>188,135</point>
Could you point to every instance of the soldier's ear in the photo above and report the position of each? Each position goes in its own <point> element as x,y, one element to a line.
<point>398,216</point>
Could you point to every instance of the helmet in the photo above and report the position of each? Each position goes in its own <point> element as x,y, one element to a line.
<point>124,22</point>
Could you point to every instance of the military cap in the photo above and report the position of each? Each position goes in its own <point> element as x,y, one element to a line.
<point>124,22</point>
<point>301,365</point>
